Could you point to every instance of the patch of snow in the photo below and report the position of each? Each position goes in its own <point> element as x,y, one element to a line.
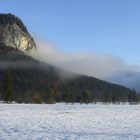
<point>69,122</point>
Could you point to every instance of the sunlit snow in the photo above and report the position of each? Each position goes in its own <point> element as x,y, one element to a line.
<point>69,122</point>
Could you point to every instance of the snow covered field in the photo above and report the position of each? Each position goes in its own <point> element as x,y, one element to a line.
<point>69,122</point>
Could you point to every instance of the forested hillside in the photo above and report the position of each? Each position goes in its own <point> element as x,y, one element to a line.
<point>24,79</point>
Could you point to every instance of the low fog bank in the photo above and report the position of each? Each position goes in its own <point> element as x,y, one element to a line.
<point>102,66</point>
<point>127,78</point>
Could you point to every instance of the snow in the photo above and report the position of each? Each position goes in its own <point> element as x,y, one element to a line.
<point>69,122</point>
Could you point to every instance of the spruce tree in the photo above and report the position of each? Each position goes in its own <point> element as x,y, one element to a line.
<point>132,97</point>
<point>114,99</point>
<point>8,86</point>
<point>51,99</point>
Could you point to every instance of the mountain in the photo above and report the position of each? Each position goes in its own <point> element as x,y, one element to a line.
<point>24,79</point>
<point>14,34</point>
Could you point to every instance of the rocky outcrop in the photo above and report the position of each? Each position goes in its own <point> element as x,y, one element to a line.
<point>13,34</point>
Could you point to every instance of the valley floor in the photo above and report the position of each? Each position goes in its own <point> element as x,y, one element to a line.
<point>69,122</point>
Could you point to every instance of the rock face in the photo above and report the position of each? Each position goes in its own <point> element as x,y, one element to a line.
<point>14,34</point>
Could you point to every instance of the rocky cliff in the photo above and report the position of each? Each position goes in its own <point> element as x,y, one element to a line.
<point>14,34</point>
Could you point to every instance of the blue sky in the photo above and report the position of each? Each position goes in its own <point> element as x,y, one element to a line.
<point>98,26</point>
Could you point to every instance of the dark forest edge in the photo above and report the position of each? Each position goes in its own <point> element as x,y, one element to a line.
<point>26,80</point>
<point>34,97</point>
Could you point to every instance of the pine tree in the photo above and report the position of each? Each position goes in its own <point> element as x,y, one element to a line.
<point>114,99</point>
<point>105,97</point>
<point>86,97</point>
<point>132,97</point>
<point>8,86</point>
<point>51,99</point>
<point>37,98</point>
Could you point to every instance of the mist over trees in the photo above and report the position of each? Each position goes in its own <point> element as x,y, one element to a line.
<point>32,87</point>
<point>26,80</point>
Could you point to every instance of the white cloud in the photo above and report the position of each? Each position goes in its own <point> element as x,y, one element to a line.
<point>103,66</point>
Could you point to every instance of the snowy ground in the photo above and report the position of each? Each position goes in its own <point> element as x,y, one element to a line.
<point>69,122</point>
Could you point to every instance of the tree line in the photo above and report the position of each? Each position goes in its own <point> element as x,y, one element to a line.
<point>67,94</point>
